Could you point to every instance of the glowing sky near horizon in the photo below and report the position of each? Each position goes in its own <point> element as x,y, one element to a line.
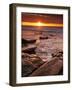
<point>41,24</point>
<point>42,20</point>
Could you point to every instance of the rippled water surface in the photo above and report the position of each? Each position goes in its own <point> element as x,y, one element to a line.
<point>46,47</point>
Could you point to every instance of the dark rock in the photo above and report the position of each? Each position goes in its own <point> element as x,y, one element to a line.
<point>37,61</point>
<point>27,68</point>
<point>49,68</point>
<point>29,49</point>
<point>33,58</point>
<point>30,63</point>
<point>60,72</point>
<point>61,58</point>
<point>44,37</point>
<point>26,56</point>
<point>57,53</point>
<point>28,41</point>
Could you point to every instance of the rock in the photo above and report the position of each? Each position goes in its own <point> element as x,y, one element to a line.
<point>29,49</point>
<point>28,40</point>
<point>49,68</point>
<point>57,53</point>
<point>33,58</point>
<point>60,72</point>
<point>36,60</point>
<point>61,58</point>
<point>44,37</point>
<point>25,56</point>
<point>30,63</point>
<point>27,68</point>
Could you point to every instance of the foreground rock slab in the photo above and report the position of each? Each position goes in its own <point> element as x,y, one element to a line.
<point>30,63</point>
<point>49,68</point>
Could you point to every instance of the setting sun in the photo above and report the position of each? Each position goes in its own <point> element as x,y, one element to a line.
<point>39,24</point>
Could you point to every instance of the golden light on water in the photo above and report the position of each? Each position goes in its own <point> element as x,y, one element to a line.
<point>41,24</point>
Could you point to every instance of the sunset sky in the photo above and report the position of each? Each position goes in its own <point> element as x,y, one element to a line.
<point>50,21</point>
